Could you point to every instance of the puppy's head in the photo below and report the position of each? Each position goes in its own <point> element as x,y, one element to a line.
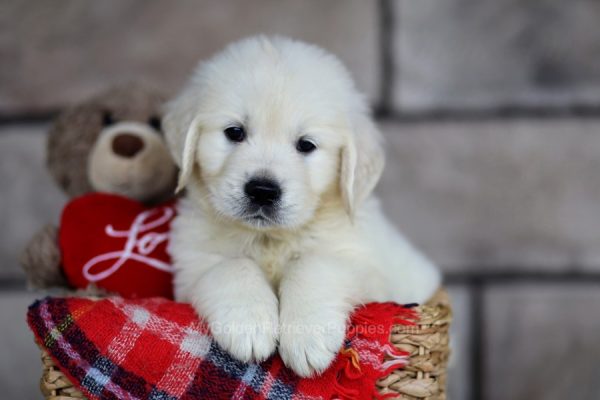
<point>270,129</point>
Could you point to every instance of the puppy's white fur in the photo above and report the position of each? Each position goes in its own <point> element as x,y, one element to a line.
<point>328,249</point>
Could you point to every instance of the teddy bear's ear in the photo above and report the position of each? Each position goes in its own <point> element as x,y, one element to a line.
<point>182,128</point>
<point>70,140</point>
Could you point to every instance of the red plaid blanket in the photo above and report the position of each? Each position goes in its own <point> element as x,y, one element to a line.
<point>158,349</point>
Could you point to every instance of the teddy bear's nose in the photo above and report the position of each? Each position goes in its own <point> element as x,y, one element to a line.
<point>127,145</point>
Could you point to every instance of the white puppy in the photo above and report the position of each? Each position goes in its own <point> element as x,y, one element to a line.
<point>279,237</point>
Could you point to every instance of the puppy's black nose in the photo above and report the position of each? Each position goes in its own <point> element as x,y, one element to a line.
<point>262,192</point>
<point>127,145</point>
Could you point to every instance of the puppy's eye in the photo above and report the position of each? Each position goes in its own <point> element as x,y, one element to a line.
<point>107,118</point>
<point>305,146</point>
<point>155,123</point>
<point>235,133</point>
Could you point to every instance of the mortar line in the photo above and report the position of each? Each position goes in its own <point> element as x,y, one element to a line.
<point>386,60</point>
<point>477,342</point>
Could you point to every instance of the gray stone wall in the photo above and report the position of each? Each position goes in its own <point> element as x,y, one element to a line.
<point>491,110</point>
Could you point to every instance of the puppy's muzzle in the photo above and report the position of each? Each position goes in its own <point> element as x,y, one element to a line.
<point>262,192</point>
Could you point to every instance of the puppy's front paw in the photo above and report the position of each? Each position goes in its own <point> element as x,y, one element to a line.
<point>240,307</point>
<point>309,345</point>
<point>246,331</point>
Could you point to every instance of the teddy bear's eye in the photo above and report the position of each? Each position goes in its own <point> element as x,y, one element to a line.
<point>107,118</point>
<point>155,122</point>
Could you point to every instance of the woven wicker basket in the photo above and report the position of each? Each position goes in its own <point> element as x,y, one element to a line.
<point>424,378</point>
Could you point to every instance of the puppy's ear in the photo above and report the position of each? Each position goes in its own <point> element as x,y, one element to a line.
<point>188,158</point>
<point>182,128</point>
<point>363,160</point>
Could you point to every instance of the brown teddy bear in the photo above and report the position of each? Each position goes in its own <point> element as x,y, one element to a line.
<point>111,143</point>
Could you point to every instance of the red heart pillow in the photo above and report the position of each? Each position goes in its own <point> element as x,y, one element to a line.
<point>117,244</point>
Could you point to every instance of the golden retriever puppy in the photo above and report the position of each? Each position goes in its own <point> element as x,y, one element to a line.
<point>279,237</point>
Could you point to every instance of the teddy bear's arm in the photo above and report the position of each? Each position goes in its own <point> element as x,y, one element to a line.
<point>41,260</point>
